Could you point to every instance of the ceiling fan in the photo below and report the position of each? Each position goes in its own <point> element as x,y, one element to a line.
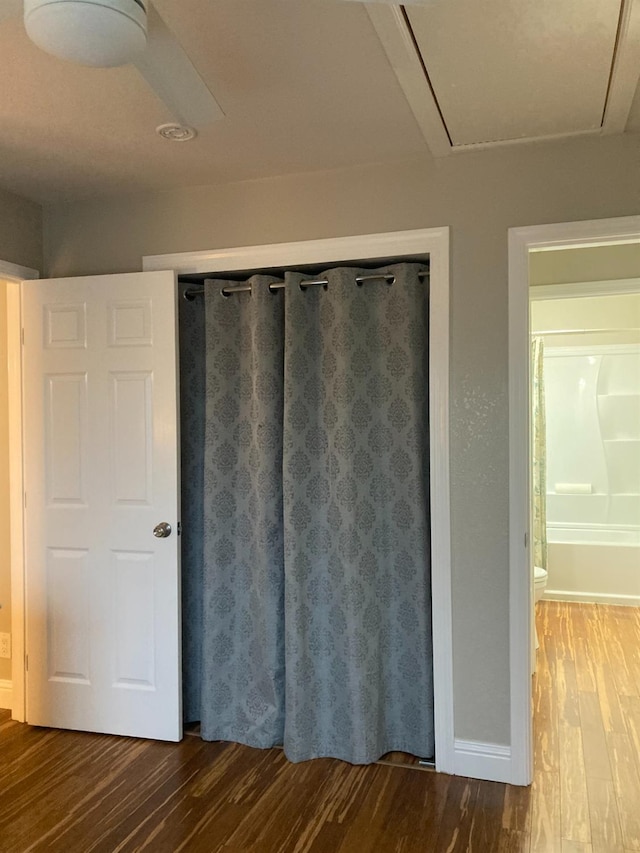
<point>108,33</point>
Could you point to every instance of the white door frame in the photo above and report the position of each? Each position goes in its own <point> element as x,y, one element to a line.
<point>14,275</point>
<point>522,241</point>
<point>434,243</point>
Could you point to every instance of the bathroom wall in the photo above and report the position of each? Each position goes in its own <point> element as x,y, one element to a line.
<point>592,393</point>
<point>593,263</point>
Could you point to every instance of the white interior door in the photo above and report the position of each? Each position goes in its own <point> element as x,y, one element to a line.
<point>101,471</point>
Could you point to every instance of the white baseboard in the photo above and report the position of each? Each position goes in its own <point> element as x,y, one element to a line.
<point>6,694</point>
<point>591,597</point>
<point>490,761</point>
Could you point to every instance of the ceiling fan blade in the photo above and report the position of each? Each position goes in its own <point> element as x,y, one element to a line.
<point>170,73</point>
<point>10,9</point>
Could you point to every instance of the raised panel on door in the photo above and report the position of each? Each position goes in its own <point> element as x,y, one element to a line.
<point>68,615</point>
<point>101,470</point>
<point>131,417</point>
<point>66,438</point>
<point>133,615</point>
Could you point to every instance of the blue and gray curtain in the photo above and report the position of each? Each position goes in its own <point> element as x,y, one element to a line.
<point>306,558</point>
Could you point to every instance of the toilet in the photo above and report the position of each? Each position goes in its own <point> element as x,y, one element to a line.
<point>539,583</point>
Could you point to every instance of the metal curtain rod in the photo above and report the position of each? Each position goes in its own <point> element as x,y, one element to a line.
<point>192,292</point>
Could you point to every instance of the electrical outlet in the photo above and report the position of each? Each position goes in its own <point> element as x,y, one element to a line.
<point>5,645</point>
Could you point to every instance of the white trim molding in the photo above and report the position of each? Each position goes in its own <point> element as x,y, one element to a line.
<point>16,496</point>
<point>591,597</point>
<point>6,694</point>
<point>366,247</point>
<point>625,71</point>
<point>391,26</point>
<point>431,243</point>
<point>489,761</point>
<point>521,242</point>
<point>14,272</point>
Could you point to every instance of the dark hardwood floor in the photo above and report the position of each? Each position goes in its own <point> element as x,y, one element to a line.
<point>74,792</point>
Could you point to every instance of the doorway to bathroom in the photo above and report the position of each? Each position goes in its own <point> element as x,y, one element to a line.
<point>575,495</point>
<point>585,424</point>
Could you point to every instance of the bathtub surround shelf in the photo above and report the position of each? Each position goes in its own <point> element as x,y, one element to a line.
<point>593,438</point>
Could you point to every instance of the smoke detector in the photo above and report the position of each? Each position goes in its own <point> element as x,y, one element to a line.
<point>176,132</point>
<point>102,33</point>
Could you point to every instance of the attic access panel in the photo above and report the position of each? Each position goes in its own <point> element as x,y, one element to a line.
<point>516,69</point>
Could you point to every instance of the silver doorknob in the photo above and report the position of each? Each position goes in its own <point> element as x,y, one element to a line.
<point>162,530</point>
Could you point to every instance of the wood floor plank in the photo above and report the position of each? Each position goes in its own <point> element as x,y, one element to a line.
<point>420,808</point>
<point>614,623</point>
<point>609,699</point>
<point>511,841</point>
<point>567,692</point>
<point>631,710</point>
<point>411,825</point>
<point>563,631</point>
<point>594,742</point>
<point>458,816</point>
<point>574,803</point>
<point>513,832</point>
<point>488,819</point>
<point>626,781</point>
<point>606,835</point>
<point>545,703</point>
<point>546,831</point>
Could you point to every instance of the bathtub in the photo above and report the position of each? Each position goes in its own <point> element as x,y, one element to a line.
<point>593,565</point>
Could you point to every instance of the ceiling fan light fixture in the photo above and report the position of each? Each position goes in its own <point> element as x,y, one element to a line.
<point>101,33</point>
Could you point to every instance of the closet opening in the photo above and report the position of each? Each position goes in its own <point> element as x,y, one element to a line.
<point>365,253</point>
<point>306,532</point>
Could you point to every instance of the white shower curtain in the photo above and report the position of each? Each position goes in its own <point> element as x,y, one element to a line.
<point>538,455</point>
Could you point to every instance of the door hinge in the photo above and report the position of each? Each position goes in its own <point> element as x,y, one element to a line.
<point>26,663</point>
<point>526,539</point>
<point>22,336</point>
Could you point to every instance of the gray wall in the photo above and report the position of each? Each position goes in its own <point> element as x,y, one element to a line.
<point>479,196</point>
<point>589,263</point>
<point>20,231</point>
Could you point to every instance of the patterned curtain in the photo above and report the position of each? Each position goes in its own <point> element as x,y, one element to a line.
<point>243,616</point>
<point>315,605</point>
<point>538,455</point>
<point>356,514</point>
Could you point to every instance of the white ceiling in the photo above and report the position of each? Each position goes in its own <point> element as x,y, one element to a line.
<point>305,86</point>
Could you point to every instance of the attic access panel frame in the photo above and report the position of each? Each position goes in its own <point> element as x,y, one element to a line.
<point>392,23</point>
